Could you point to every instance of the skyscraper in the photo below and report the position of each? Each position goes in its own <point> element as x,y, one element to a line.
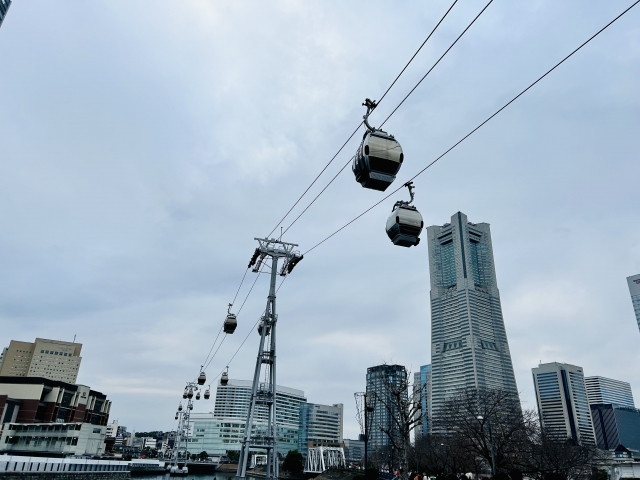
<point>634,290</point>
<point>469,347</point>
<point>607,390</point>
<point>422,383</point>
<point>562,401</point>
<point>320,426</point>
<point>381,381</point>
<point>52,359</point>
<point>4,7</point>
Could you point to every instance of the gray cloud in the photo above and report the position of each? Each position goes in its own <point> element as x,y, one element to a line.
<point>145,144</point>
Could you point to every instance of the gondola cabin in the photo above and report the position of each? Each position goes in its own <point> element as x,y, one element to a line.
<point>230,323</point>
<point>377,160</point>
<point>404,226</point>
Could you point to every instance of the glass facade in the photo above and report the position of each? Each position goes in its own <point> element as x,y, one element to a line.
<point>469,347</point>
<point>4,6</point>
<point>223,429</point>
<point>380,380</point>
<point>320,425</point>
<point>601,390</point>
<point>562,401</point>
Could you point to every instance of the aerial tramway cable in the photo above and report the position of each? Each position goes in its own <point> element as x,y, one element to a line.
<point>356,130</point>
<point>394,110</point>
<point>480,125</point>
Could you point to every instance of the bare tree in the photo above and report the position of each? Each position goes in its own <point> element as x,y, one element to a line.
<point>400,406</point>
<point>490,424</point>
<point>552,456</point>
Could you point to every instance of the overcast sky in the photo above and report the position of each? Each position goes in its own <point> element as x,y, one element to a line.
<point>144,144</point>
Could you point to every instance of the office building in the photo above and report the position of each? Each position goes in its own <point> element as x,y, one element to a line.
<point>41,416</point>
<point>223,429</point>
<point>615,426</point>
<point>382,381</point>
<point>51,359</point>
<point>562,401</point>
<point>634,290</point>
<point>469,347</point>
<point>422,387</point>
<point>353,451</point>
<point>601,390</point>
<point>320,426</point>
<point>4,7</point>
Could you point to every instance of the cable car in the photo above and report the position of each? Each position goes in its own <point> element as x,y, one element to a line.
<point>260,325</point>
<point>191,406</point>
<point>184,394</point>
<point>198,396</point>
<point>224,379</point>
<point>202,378</point>
<point>176,416</point>
<point>231,322</point>
<point>207,394</point>
<point>405,223</point>
<point>379,156</point>
<point>180,407</point>
<point>190,394</point>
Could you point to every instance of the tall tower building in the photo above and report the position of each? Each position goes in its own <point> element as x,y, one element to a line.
<point>51,359</point>
<point>469,347</point>
<point>608,390</point>
<point>634,290</point>
<point>4,7</point>
<point>381,381</point>
<point>562,401</point>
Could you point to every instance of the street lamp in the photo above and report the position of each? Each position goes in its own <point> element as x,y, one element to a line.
<point>368,408</point>
<point>493,455</point>
<point>446,457</point>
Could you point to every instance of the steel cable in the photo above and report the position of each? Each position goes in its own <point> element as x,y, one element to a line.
<point>480,125</point>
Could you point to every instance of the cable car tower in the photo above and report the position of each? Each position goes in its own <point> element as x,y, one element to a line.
<point>264,393</point>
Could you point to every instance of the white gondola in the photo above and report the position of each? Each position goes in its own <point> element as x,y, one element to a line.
<point>180,407</point>
<point>184,394</point>
<point>176,416</point>
<point>231,322</point>
<point>202,378</point>
<point>379,156</point>
<point>405,223</point>
<point>207,394</point>
<point>198,396</point>
<point>190,393</point>
<point>224,379</point>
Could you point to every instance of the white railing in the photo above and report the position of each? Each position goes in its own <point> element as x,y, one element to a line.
<point>320,459</point>
<point>17,463</point>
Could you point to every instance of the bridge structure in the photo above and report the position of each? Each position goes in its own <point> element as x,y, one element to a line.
<point>321,459</point>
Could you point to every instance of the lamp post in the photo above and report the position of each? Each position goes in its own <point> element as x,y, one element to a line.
<point>446,457</point>
<point>368,408</point>
<point>493,455</point>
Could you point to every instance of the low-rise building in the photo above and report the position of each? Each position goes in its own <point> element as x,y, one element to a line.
<point>353,451</point>
<point>42,416</point>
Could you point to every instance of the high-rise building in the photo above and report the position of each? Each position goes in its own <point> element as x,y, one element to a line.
<point>222,430</point>
<point>422,386</point>
<point>601,390</point>
<point>634,290</point>
<point>353,451</point>
<point>51,359</point>
<point>615,426</point>
<point>320,426</point>
<point>469,347</point>
<point>4,7</point>
<point>562,401</point>
<point>382,381</point>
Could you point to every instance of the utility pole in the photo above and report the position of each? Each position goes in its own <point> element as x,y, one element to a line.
<point>264,394</point>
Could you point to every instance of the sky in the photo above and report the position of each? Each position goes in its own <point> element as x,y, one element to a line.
<point>143,146</point>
